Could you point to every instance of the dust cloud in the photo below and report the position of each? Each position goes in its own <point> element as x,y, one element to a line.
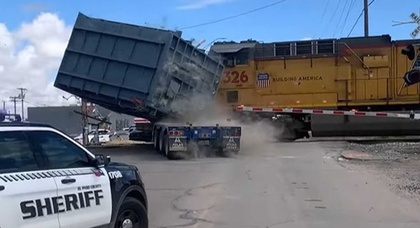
<point>199,107</point>
<point>255,133</point>
<point>169,95</point>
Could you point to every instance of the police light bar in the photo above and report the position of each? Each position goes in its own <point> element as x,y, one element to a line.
<point>4,117</point>
<point>141,120</point>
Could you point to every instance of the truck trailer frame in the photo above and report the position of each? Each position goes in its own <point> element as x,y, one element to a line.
<point>175,141</point>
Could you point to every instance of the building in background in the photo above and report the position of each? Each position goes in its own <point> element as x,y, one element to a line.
<point>67,120</point>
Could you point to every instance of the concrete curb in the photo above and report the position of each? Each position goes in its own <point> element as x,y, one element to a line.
<point>356,155</point>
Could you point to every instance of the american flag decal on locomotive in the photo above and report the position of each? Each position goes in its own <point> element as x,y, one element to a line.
<point>263,80</point>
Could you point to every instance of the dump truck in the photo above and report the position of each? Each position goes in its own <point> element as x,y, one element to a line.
<point>148,73</point>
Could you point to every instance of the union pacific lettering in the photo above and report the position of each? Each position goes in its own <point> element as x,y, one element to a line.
<point>297,79</point>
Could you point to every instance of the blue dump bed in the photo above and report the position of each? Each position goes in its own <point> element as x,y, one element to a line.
<point>137,70</point>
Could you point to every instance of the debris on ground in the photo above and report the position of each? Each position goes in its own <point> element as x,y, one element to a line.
<point>356,155</point>
<point>396,161</point>
<point>385,150</point>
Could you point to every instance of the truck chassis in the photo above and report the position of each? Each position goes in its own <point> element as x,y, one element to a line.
<point>177,141</point>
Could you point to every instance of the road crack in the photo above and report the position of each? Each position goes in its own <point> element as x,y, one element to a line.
<point>280,223</point>
<point>189,214</point>
<point>248,174</point>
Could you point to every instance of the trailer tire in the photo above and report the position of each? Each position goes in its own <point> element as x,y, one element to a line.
<point>289,135</point>
<point>226,154</point>
<point>161,146</point>
<point>170,155</point>
<point>156,140</point>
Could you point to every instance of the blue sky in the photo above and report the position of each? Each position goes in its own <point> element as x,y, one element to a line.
<point>288,21</point>
<point>291,20</point>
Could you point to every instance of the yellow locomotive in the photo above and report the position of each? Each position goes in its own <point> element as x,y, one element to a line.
<point>364,73</point>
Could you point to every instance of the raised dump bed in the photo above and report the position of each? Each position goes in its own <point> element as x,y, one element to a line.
<point>137,70</point>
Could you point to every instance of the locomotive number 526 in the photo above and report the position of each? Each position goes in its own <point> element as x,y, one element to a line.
<point>235,77</point>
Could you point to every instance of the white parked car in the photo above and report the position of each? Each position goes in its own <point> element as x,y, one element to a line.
<point>103,134</point>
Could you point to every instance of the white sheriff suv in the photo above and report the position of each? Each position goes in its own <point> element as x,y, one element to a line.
<point>49,180</point>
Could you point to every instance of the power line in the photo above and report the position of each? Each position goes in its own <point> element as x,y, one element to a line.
<point>360,15</point>
<point>335,11</point>
<point>36,105</point>
<point>347,16</point>
<point>354,25</point>
<point>234,16</point>
<point>327,24</point>
<point>14,100</point>
<point>341,16</point>
<point>325,10</point>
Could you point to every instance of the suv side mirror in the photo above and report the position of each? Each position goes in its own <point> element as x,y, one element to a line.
<point>102,160</point>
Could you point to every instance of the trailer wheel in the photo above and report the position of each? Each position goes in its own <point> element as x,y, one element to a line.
<point>226,154</point>
<point>161,148</point>
<point>170,155</point>
<point>156,140</point>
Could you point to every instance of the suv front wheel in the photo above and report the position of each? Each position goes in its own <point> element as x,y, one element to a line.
<point>132,214</point>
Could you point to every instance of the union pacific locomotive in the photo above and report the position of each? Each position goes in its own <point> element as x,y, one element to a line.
<point>363,73</point>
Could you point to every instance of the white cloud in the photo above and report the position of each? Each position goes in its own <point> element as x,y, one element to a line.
<point>30,57</point>
<point>198,4</point>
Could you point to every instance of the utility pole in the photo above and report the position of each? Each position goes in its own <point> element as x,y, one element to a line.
<point>366,13</point>
<point>22,98</point>
<point>14,100</point>
<point>4,105</point>
<point>84,122</point>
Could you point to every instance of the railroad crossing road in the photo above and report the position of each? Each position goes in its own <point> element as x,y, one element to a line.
<point>272,185</point>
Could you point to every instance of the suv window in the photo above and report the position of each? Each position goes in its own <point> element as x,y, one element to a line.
<point>59,152</point>
<point>16,154</point>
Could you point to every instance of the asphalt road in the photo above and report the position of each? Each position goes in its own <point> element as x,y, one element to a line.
<point>268,185</point>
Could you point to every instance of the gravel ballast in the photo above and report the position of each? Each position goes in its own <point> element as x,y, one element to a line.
<point>398,162</point>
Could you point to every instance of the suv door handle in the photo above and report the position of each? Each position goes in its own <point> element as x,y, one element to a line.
<point>68,180</point>
<point>2,187</point>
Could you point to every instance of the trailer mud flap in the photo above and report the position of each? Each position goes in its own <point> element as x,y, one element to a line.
<point>177,144</point>
<point>231,143</point>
